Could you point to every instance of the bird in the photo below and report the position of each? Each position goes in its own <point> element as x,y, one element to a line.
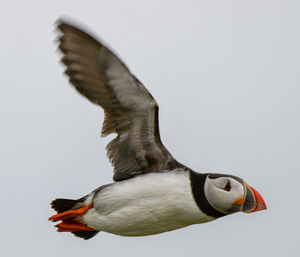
<point>152,192</point>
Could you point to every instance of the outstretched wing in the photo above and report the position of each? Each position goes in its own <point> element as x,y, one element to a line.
<point>130,110</point>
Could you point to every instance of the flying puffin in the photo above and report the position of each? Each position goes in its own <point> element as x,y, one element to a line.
<point>152,192</point>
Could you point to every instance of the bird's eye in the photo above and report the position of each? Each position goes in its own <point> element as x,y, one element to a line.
<point>227,187</point>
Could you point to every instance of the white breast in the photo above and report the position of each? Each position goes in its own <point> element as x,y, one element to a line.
<point>145,205</point>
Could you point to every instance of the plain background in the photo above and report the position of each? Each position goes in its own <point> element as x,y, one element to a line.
<point>226,77</point>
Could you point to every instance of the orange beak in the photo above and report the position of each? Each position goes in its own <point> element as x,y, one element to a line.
<point>253,201</point>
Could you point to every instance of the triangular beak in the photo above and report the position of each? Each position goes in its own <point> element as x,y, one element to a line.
<point>253,200</point>
<point>260,202</point>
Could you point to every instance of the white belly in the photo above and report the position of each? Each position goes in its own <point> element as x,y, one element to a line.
<point>146,205</point>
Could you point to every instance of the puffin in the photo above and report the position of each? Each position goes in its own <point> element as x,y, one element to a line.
<point>152,193</point>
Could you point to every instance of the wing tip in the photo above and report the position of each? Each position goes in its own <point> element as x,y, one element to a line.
<point>66,25</point>
<point>65,21</point>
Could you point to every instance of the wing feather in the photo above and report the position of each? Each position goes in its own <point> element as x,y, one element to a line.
<point>130,110</point>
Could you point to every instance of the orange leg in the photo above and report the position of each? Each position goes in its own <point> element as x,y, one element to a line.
<point>71,213</point>
<point>72,227</point>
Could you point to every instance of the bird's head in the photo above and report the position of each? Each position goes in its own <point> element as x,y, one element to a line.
<point>229,194</point>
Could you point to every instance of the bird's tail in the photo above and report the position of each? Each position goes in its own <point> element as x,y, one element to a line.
<point>70,212</point>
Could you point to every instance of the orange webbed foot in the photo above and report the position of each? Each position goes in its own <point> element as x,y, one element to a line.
<point>70,213</point>
<point>72,227</point>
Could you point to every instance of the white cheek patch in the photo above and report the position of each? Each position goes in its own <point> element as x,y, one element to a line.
<point>220,199</point>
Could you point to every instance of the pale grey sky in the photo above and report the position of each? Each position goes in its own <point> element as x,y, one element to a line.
<point>226,77</point>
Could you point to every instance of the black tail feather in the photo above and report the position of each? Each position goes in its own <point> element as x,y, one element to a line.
<point>85,234</point>
<point>61,205</point>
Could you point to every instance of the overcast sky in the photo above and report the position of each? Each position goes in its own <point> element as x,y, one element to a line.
<point>226,76</point>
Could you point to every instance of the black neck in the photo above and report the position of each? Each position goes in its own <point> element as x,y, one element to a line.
<point>197,183</point>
